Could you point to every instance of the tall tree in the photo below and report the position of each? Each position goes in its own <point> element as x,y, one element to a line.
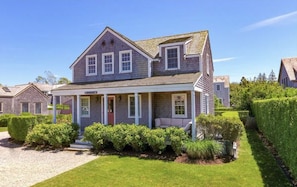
<point>63,80</point>
<point>50,78</point>
<point>272,77</point>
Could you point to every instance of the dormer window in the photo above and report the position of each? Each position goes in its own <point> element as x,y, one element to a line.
<point>91,65</point>
<point>172,58</point>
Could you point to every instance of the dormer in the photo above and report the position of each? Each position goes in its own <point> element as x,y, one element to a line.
<point>172,50</point>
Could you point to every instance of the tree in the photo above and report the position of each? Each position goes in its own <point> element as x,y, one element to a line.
<point>50,78</point>
<point>272,77</point>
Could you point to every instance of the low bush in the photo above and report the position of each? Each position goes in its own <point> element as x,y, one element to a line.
<point>64,118</point>
<point>97,135</point>
<point>56,135</point>
<point>156,139</point>
<point>177,137</point>
<point>44,119</point>
<point>136,137</point>
<point>205,149</point>
<point>4,119</point>
<point>19,126</point>
<point>117,136</point>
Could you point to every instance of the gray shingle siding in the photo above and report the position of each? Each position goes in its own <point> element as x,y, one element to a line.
<point>223,93</point>
<point>139,62</point>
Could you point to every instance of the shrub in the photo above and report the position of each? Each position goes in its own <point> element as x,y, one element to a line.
<point>117,135</point>
<point>43,119</point>
<point>4,119</point>
<point>205,149</point>
<point>56,135</point>
<point>136,137</point>
<point>177,137</point>
<point>97,135</point>
<point>156,140</point>
<point>19,126</point>
<point>64,118</point>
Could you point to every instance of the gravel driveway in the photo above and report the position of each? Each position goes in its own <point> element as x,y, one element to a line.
<point>20,166</point>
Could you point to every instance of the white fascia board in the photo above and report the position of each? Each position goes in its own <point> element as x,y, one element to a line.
<point>172,44</point>
<point>125,90</point>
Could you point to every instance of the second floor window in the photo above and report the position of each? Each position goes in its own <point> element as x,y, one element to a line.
<point>125,61</point>
<point>218,87</point>
<point>107,63</point>
<point>91,65</point>
<point>172,58</point>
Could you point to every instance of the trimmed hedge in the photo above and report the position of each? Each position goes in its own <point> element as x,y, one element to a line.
<point>4,119</point>
<point>277,119</point>
<point>56,135</point>
<point>19,126</point>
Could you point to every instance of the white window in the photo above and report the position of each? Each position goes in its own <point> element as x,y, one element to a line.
<point>172,59</point>
<point>218,87</point>
<point>91,65</point>
<point>207,64</point>
<point>37,108</point>
<point>25,107</point>
<point>85,106</point>
<point>179,105</point>
<point>1,107</point>
<point>131,106</point>
<point>107,63</point>
<point>125,60</point>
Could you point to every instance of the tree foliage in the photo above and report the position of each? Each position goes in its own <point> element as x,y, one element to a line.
<point>50,78</point>
<point>242,94</point>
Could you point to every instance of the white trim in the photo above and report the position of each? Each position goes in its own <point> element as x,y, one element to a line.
<point>102,109</point>
<point>150,113</point>
<point>193,114</point>
<point>22,106</point>
<point>88,107</point>
<point>172,44</point>
<point>178,58</point>
<point>121,62</point>
<point>87,65</point>
<point>192,55</point>
<point>174,115</point>
<point>1,107</point>
<point>107,29</point>
<point>206,96</point>
<point>103,63</point>
<point>140,106</point>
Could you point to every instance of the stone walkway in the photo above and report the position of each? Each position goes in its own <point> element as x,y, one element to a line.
<point>20,166</point>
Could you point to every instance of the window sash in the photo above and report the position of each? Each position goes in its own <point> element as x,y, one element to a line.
<point>25,107</point>
<point>91,64</point>
<point>107,63</point>
<point>37,108</point>
<point>131,106</point>
<point>85,106</point>
<point>179,105</point>
<point>172,58</point>
<point>125,61</point>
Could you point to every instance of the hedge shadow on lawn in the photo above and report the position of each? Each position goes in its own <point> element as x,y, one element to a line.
<point>267,164</point>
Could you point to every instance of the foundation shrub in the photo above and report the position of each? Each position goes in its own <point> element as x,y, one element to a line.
<point>156,140</point>
<point>4,119</point>
<point>136,137</point>
<point>97,135</point>
<point>19,126</point>
<point>203,149</point>
<point>177,137</point>
<point>117,136</point>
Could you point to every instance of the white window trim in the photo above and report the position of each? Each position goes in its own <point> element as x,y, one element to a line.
<point>1,107</point>
<point>88,98</point>
<point>22,106</point>
<point>173,106</point>
<point>103,63</point>
<point>207,64</point>
<point>87,65</point>
<point>35,108</point>
<point>139,101</point>
<point>178,58</point>
<point>120,61</point>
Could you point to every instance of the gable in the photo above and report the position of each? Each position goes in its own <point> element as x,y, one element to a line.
<point>288,66</point>
<point>122,38</point>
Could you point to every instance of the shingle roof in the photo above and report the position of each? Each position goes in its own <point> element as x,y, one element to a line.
<point>150,81</point>
<point>290,64</point>
<point>224,79</point>
<point>194,47</point>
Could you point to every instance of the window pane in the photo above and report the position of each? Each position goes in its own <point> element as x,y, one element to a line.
<point>132,106</point>
<point>37,108</point>
<point>126,62</point>
<point>172,58</point>
<point>25,107</point>
<point>84,107</point>
<point>108,63</point>
<point>92,65</point>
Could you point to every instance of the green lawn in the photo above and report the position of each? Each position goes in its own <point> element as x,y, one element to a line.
<point>2,129</point>
<point>254,167</point>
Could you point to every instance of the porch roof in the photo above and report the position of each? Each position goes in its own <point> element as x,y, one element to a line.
<point>150,82</point>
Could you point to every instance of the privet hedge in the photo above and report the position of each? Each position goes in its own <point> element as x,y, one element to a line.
<point>19,126</point>
<point>277,119</point>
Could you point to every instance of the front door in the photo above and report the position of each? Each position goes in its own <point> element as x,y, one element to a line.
<point>110,110</point>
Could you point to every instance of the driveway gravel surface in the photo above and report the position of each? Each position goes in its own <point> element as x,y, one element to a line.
<point>20,166</point>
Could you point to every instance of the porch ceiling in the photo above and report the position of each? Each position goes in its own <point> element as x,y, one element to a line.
<point>151,84</point>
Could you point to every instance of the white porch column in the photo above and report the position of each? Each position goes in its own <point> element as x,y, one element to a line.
<point>78,112</point>
<point>136,108</point>
<point>54,110</point>
<point>105,109</point>
<point>150,113</point>
<point>72,108</point>
<point>193,113</point>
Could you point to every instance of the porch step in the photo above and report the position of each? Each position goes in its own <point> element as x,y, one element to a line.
<point>80,145</point>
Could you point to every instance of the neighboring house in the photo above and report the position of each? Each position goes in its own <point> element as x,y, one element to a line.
<point>221,86</point>
<point>33,98</point>
<point>117,80</point>
<point>288,72</point>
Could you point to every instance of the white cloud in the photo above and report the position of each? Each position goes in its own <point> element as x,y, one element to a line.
<point>223,59</point>
<point>270,21</point>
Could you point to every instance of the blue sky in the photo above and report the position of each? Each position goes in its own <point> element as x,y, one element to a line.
<point>247,37</point>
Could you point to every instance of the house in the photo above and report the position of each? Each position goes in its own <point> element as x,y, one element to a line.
<point>288,72</point>
<point>221,86</point>
<point>117,80</point>
<point>32,97</point>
